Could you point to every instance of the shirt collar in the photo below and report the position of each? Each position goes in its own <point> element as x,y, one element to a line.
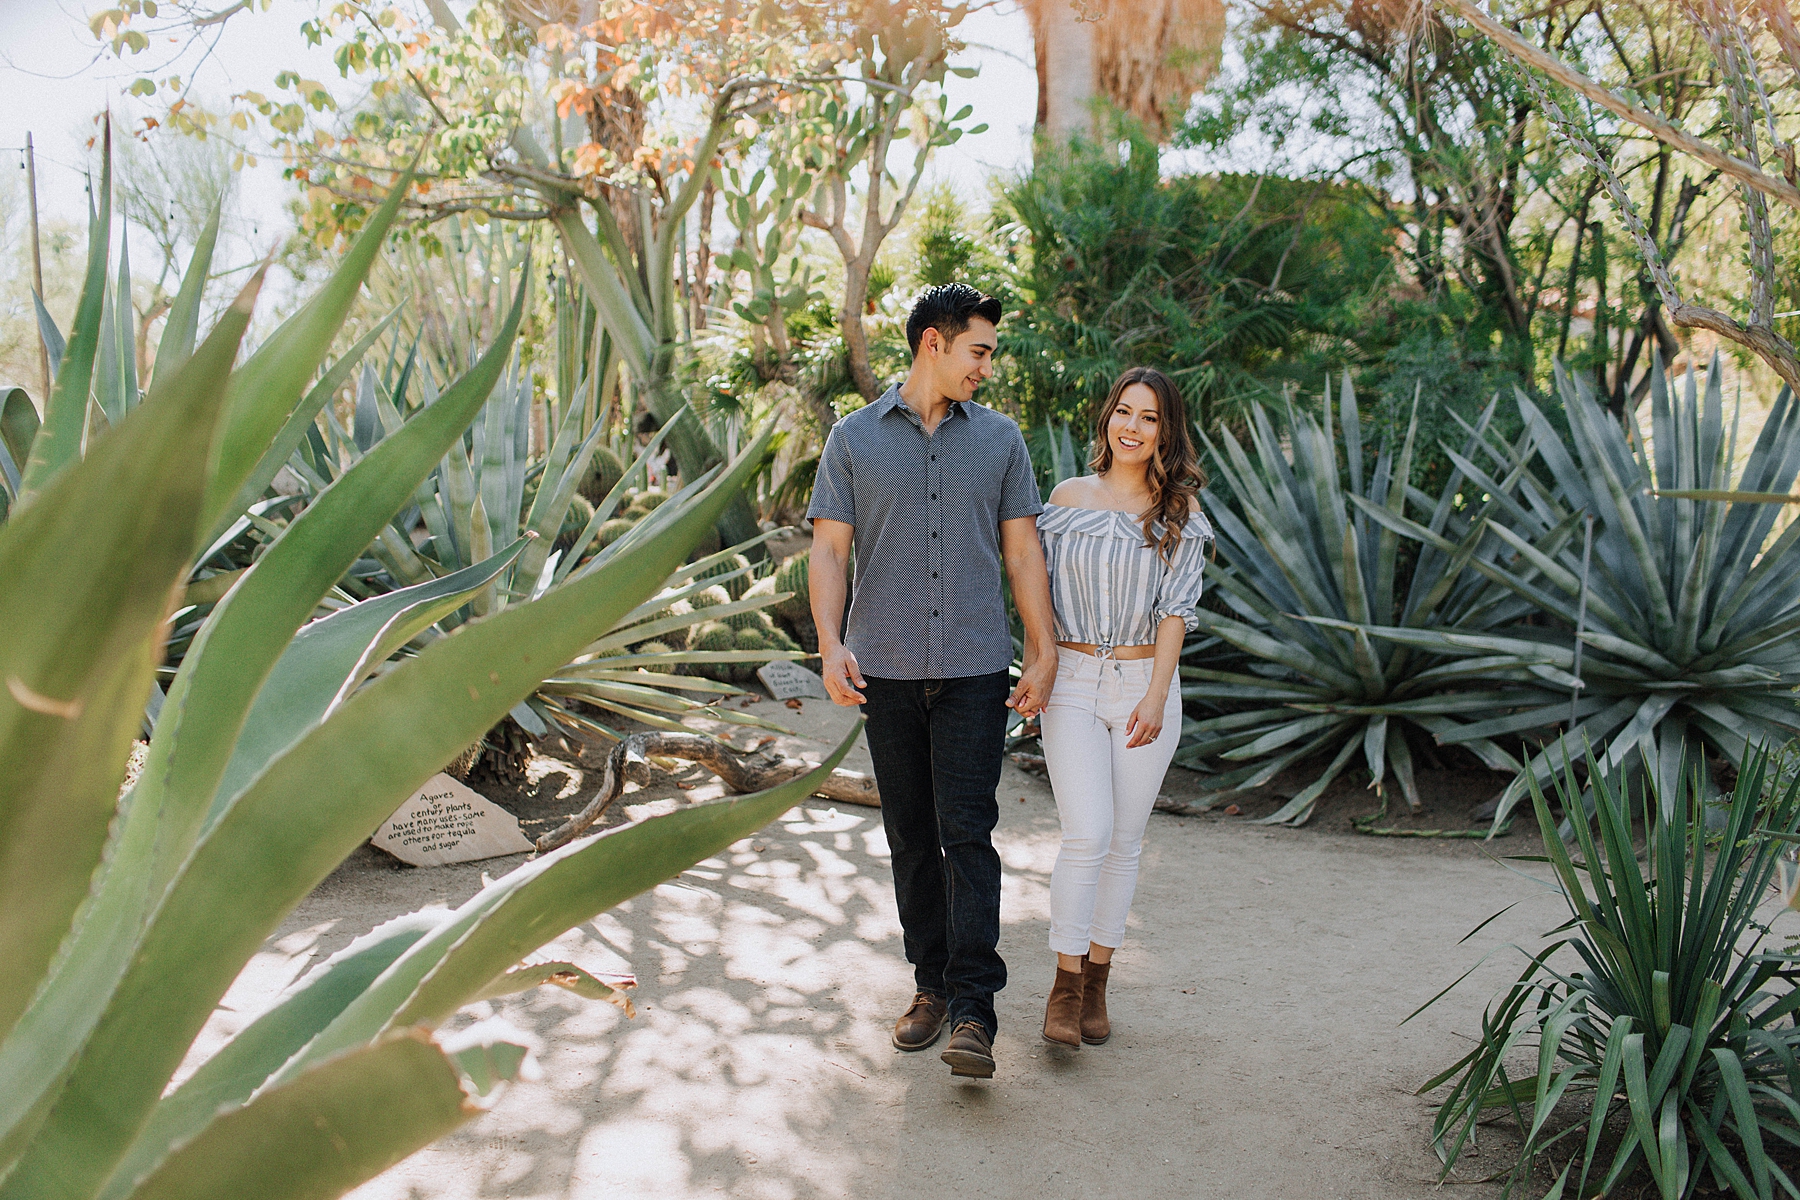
<point>890,400</point>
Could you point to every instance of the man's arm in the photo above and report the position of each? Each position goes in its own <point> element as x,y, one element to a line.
<point>825,573</point>
<point>1030,580</point>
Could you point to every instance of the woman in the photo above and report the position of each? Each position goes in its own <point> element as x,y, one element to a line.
<point>1125,547</point>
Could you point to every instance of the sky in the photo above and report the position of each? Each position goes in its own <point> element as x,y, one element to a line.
<point>55,83</point>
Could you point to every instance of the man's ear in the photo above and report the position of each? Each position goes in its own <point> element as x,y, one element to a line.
<point>931,340</point>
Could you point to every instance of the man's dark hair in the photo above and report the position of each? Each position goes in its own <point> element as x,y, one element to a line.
<point>947,309</point>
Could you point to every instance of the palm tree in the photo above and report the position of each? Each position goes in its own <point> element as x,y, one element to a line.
<point>1143,57</point>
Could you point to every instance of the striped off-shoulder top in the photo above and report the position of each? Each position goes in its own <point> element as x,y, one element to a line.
<point>1107,586</point>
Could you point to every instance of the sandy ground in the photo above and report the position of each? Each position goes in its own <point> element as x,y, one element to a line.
<point>1257,1004</point>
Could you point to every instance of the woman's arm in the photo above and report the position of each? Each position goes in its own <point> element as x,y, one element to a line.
<point>1146,722</point>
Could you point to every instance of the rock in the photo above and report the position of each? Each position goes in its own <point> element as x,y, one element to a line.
<point>444,822</point>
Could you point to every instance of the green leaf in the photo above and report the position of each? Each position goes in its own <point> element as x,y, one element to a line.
<point>514,916</point>
<point>243,1064</point>
<point>266,387</point>
<point>250,629</point>
<point>181,328</point>
<point>322,1134</point>
<point>18,426</point>
<point>58,442</point>
<point>329,657</point>
<point>265,853</point>
<point>104,553</point>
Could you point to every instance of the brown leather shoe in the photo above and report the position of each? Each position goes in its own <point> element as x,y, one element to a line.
<point>920,1025</point>
<point>1062,1012</point>
<point>970,1052</point>
<point>1095,1025</point>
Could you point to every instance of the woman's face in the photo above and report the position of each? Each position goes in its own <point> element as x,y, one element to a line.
<point>1132,427</point>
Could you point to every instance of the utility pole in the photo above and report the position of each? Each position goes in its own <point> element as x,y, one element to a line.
<point>37,270</point>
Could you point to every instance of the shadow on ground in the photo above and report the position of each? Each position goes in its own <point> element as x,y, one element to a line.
<point>1257,1001</point>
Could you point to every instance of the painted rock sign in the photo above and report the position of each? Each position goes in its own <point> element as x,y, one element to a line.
<point>790,681</point>
<point>444,822</point>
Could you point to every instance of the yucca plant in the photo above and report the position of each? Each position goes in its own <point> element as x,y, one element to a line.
<point>1655,999</point>
<point>283,745</point>
<point>1306,561</point>
<point>1688,617</point>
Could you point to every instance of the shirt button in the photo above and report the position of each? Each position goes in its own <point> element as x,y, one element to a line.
<point>934,574</point>
<point>934,612</point>
<point>934,458</point>
<point>934,533</point>
<point>934,495</point>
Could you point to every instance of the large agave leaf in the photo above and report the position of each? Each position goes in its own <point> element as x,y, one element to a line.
<point>266,387</point>
<point>249,630</point>
<point>247,634</point>
<point>104,553</point>
<point>458,959</point>
<point>227,1079</point>
<point>58,443</point>
<point>266,852</point>
<point>330,657</point>
<point>181,327</point>
<point>325,1132</point>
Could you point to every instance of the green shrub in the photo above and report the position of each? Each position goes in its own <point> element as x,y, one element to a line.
<point>1690,636</point>
<point>1677,1021</point>
<point>1307,566</point>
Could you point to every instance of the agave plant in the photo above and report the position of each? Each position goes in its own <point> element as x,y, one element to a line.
<point>124,918</point>
<point>1307,562</point>
<point>1676,1019</point>
<point>1681,618</point>
<point>487,492</point>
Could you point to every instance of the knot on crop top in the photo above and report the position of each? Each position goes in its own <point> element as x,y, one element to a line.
<point>1108,587</point>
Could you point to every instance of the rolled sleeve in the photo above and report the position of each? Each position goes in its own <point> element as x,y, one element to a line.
<point>1019,490</point>
<point>834,492</point>
<point>1179,593</point>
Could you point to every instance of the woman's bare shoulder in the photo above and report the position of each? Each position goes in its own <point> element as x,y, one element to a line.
<point>1072,492</point>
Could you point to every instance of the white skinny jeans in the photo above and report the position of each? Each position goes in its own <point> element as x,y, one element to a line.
<point>1104,792</point>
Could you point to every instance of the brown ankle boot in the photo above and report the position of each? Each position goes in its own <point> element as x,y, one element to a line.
<point>1062,1014</point>
<point>1095,1027</point>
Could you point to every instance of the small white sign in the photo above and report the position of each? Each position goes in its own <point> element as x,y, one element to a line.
<point>790,681</point>
<point>444,822</point>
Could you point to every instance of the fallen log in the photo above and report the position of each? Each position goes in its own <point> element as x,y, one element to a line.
<point>739,770</point>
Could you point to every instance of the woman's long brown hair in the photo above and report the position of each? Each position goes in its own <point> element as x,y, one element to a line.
<point>1174,473</point>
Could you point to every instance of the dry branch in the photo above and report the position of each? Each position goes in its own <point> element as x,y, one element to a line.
<point>739,770</point>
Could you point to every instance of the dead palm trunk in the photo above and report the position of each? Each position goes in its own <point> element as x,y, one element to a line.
<point>1145,58</point>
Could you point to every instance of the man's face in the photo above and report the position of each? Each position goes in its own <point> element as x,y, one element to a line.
<point>964,365</point>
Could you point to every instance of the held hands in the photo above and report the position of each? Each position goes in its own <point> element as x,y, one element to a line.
<point>843,677</point>
<point>1033,690</point>
<point>1146,722</point>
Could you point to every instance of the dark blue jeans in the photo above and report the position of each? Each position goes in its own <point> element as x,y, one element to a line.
<point>936,746</point>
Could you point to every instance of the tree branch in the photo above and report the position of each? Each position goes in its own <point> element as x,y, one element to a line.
<point>1664,131</point>
<point>741,771</point>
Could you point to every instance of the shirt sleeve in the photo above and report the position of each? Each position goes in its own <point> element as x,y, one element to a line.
<point>1179,593</point>
<point>1019,490</point>
<point>834,493</point>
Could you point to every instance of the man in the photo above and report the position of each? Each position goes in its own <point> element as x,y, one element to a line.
<point>936,492</point>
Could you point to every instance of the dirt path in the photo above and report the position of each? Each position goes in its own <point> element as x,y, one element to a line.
<point>1258,997</point>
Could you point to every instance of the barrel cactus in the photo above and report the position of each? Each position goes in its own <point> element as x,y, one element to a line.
<point>604,473</point>
<point>612,531</point>
<point>573,522</point>
<point>737,585</point>
<point>792,577</point>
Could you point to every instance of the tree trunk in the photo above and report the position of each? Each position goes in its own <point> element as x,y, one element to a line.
<point>856,338</point>
<point>1142,57</point>
<point>1065,59</point>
